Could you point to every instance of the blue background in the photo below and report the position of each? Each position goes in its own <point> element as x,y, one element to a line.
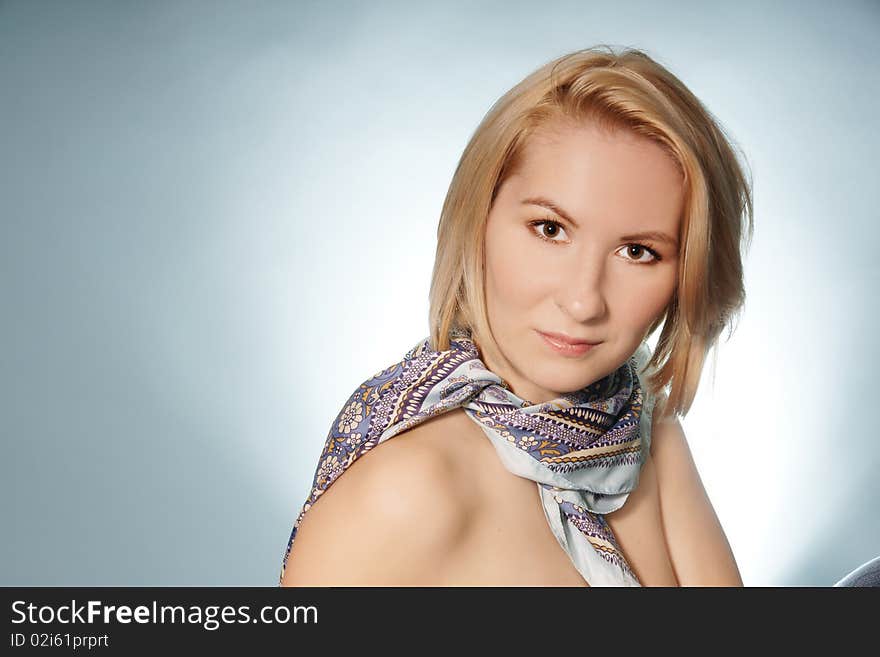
<point>219,217</point>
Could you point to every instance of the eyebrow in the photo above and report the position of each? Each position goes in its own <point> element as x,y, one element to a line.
<point>655,235</point>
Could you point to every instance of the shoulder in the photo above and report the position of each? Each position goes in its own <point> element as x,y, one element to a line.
<point>390,519</point>
<point>407,478</point>
<point>671,454</point>
<point>698,547</point>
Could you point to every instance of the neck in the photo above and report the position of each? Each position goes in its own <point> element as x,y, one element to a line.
<point>512,379</point>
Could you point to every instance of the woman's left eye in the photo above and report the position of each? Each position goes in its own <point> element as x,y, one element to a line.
<point>640,251</point>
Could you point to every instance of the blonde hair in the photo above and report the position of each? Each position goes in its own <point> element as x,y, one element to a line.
<point>626,90</point>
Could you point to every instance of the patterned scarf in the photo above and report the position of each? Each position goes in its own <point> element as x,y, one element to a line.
<point>584,449</point>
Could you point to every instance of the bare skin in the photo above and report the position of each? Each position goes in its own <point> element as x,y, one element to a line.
<point>435,506</point>
<point>509,542</point>
<point>564,255</point>
<point>465,520</point>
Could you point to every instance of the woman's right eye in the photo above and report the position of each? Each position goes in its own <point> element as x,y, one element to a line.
<point>548,230</point>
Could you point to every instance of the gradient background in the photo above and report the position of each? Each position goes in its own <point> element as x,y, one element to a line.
<point>218,218</point>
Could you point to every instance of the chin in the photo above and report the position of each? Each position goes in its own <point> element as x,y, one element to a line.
<point>564,384</point>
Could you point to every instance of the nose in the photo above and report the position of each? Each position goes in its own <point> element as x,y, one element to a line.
<point>581,295</point>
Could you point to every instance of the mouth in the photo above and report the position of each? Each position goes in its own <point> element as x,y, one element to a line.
<point>566,345</point>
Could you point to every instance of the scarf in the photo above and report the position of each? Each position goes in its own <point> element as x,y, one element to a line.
<point>583,449</point>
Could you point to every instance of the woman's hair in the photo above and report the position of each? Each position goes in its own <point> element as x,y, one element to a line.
<point>631,91</point>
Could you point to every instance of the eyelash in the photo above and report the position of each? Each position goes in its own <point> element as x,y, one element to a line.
<point>538,222</point>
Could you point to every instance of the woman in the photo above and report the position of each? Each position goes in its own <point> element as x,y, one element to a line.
<point>596,201</point>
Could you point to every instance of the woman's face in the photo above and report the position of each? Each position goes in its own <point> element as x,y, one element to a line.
<point>567,253</point>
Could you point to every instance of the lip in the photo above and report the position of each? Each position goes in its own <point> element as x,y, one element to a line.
<point>565,345</point>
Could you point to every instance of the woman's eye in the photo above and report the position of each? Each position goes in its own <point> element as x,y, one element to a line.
<point>549,230</point>
<point>637,253</point>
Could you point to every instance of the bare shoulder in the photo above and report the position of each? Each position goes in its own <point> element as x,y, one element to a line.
<point>390,519</point>
<point>698,547</point>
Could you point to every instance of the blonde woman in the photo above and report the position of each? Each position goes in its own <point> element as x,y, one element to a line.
<point>533,439</point>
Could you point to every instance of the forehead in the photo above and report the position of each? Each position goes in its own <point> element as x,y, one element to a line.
<point>595,172</point>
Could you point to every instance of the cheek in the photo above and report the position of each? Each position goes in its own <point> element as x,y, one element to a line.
<point>519,275</point>
<point>639,305</point>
